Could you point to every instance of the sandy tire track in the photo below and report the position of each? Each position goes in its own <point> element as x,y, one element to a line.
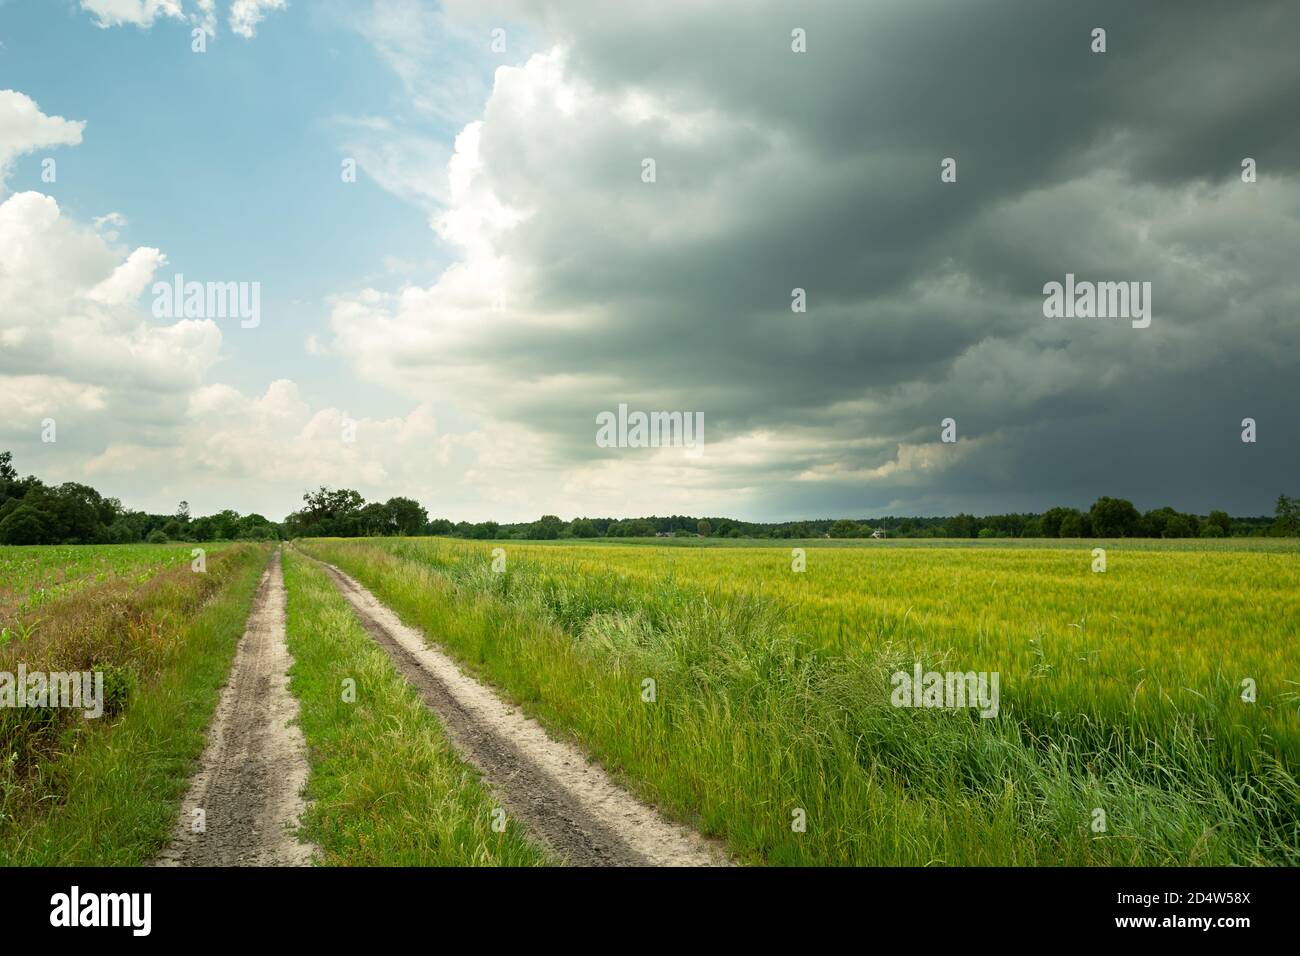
<point>254,767</point>
<point>565,800</point>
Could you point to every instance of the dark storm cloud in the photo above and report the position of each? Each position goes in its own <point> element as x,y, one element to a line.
<point>821,171</point>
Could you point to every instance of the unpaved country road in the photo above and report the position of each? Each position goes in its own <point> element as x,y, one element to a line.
<point>250,781</point>
<point>566,801</point>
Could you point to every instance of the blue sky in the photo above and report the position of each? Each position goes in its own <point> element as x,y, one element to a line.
<point>230,162</point>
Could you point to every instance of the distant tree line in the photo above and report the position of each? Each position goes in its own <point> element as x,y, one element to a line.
<point>1107,518</point>
<point>32,512</point>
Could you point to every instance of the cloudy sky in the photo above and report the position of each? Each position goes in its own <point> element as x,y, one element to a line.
<point>449,325</point>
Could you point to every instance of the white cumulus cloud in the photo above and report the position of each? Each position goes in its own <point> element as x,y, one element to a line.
<point>245,15</point>
<point>139,13</point>
<point>24,128</point>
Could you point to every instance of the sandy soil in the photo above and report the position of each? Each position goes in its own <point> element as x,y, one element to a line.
<point>254,768</point>
<point>566,801</point>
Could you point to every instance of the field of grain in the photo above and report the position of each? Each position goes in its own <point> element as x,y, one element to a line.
<point>1127,691</point>
<point>32,577</point>
<point>1158,635</point>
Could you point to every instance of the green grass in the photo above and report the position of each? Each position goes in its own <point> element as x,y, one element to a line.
<point>386,788</point>
<point>1266,545</point>
<point>31,577</point>
<point>755,718</point>
<point>107,792</point>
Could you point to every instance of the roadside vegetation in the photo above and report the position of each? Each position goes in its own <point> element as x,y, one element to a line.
<point>105,791</point>
<point>386,788</point>
<point>1121,692</point>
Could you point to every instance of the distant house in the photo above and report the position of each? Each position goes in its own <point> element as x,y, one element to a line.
<point>878,533</point>
<point>663,534</point>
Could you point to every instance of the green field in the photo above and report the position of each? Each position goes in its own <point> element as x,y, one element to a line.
<point>771,723</point>
<point>31,577</point>
<point>105,792</point>
<point>1121,692</point>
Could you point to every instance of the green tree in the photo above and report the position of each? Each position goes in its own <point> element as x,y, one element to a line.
<point>1072,525</point>
<point>1287,521</point>
<point>638,528</point>
<point>375,519</point>
<point>122,532</point>
<point>1114,518</point>
<point>1154,521</point>
<point>254,527</point>
<point>582,528</point>
<point>546,528</point>
<point>225,525</point>
<point>963,526</point>
<point>408,516</point>
<point>704,527</point>
<point>25,525</point>
<point>328,513</point>
<point>1052,519</point>
<point>78,512</point>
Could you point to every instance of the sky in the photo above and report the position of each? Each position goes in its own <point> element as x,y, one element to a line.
<point>449,322</point>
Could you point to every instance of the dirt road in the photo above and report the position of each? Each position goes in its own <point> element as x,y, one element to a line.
<point>249,785</point>
<point>566,801</point>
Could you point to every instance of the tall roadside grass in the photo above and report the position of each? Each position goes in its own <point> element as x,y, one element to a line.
<point>1159,645</point>
<point>386,789</point>
<point>105,792</point>
<point>753,728</point>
